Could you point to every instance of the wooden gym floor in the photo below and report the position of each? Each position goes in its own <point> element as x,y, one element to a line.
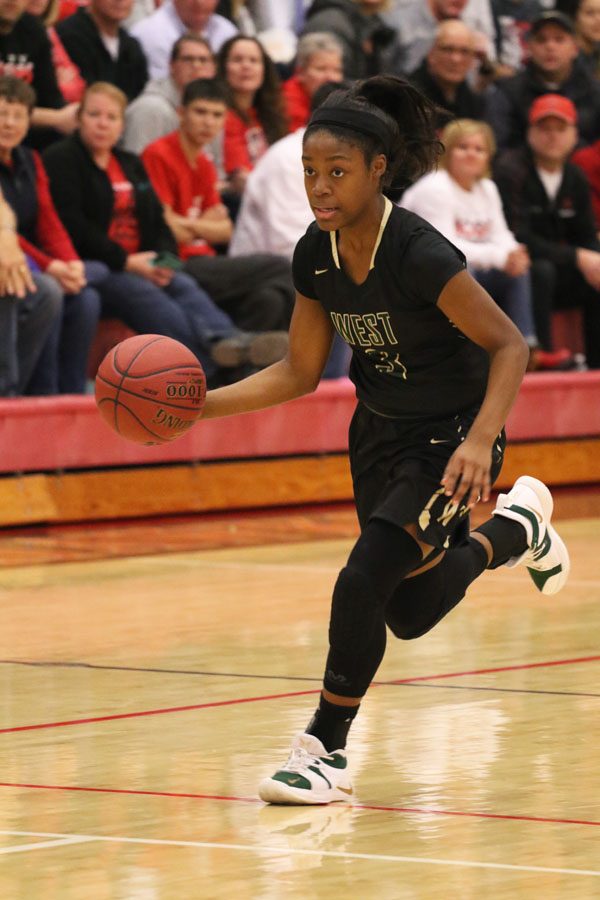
<point>153,672</point>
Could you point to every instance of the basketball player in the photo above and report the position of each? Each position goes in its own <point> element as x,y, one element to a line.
<point>436,366</point>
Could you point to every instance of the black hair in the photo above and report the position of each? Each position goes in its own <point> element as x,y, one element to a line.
<point>187,38</point>
<point>14,90</point>
<point>324,90</point>
<point>204,89</point>
<point>412,148</point>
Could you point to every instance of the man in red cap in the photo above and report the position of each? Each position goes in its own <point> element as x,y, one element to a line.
<point>554,67</point>
<point>547,205</point>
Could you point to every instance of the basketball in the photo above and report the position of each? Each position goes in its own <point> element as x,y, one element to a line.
<point>150,389</point>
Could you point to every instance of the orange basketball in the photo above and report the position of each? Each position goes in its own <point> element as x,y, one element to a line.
<point>150,389</point>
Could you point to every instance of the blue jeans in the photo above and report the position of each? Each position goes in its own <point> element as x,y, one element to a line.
<point>513,296</point>
<point>181,310</point>
<point>24,328</point>
<point>62,366</point>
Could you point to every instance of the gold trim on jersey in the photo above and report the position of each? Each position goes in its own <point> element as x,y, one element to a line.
<point>387,211</point>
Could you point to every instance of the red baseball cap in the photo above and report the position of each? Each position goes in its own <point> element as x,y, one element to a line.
<point>552,105</point>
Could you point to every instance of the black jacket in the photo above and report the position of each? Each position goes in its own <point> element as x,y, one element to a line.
<point>551,229</point>
<point>84,45</point>
<point>509,104</point>
<point>466,104</point>
<point>26,53</point>
<point>355,30</point>
<point>84,200</point>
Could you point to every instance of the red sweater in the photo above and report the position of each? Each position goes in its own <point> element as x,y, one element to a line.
<point>52,240</point>
<point>297,103</point>
<point>188,190</point>
<point>243,144</point>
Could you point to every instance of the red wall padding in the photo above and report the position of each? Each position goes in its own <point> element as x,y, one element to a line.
<point>41,434</point>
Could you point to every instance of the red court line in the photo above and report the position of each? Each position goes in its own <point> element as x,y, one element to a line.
<point>156,712</point>
<point>236,700</point>
<point>421,811</point>
<point>538,665</point>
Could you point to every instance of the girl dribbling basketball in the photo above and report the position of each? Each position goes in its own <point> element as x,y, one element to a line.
<point>437,367</point>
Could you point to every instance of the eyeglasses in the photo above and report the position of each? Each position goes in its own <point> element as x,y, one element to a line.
<point>201,60</point>
<point>450,50</point>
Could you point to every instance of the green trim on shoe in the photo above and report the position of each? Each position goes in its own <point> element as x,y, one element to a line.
<point>540,578</point>
<point>293,779</point>
<point>531,517</point>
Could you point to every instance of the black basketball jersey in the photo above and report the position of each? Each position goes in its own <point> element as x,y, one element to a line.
<point>408,360</point>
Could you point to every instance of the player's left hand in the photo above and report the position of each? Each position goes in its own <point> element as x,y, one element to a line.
<point>467,475</point>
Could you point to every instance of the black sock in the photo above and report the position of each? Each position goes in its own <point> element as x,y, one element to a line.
<point>508,538</point>
<point>331,724</point>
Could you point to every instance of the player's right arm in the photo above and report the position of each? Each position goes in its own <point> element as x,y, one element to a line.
<point>311,334</point>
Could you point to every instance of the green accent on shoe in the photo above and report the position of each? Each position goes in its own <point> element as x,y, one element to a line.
<point>540,578</point>
<point>543,548</point>
<point>317,771</point>
<point>293,779</point>
<point>532,518</point>
<point>335,761</point>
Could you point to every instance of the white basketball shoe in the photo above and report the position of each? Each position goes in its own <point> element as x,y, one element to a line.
<point>530,503</point>
<point>311,775</point>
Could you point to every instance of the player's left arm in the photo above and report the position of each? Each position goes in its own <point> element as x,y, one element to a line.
<point>474,312</point>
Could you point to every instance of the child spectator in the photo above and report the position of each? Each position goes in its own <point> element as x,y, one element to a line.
<point>547,204</point>
<point>101,48</point>
<point>107,204</point>
<point>257,290</point>
<point>256,116</point>
<point>463,203</point>
<point>318,61</point>
<point>62,365</point>
<point>68,76</point>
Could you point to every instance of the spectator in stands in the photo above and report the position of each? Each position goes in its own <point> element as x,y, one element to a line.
<point>257,291</point>
<point>547,204</point>
<point>417,21</point>
<point>101,48</point>
<point>462,202</point>
<point>154,113</point>
<point>266,224</point>
<point>256,115</point>
<point>370,46</point>
<point>587,31</point>
<point>29,309</point>
<point>442,76</point>
<point>318,61</point>
<point>63,364</point>
<point>26,53</point>
<point>68,76</point>
<point>174,18</point>
<point>588,160</point>
<point>107,204</point>
<point>553,67</point>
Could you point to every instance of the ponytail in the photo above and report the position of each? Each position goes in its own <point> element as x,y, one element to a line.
<point>403,130</point>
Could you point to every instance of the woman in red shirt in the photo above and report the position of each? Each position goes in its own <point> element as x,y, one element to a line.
<point>256,116</point>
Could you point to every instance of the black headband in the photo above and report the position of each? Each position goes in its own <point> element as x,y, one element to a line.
<point>363,121</point>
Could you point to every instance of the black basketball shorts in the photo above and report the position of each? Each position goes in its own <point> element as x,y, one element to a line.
<point>397,468</point>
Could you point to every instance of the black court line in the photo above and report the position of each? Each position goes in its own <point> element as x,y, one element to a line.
<point>244,675</point>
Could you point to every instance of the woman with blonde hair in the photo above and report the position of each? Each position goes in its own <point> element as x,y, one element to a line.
<point>461,200</point>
